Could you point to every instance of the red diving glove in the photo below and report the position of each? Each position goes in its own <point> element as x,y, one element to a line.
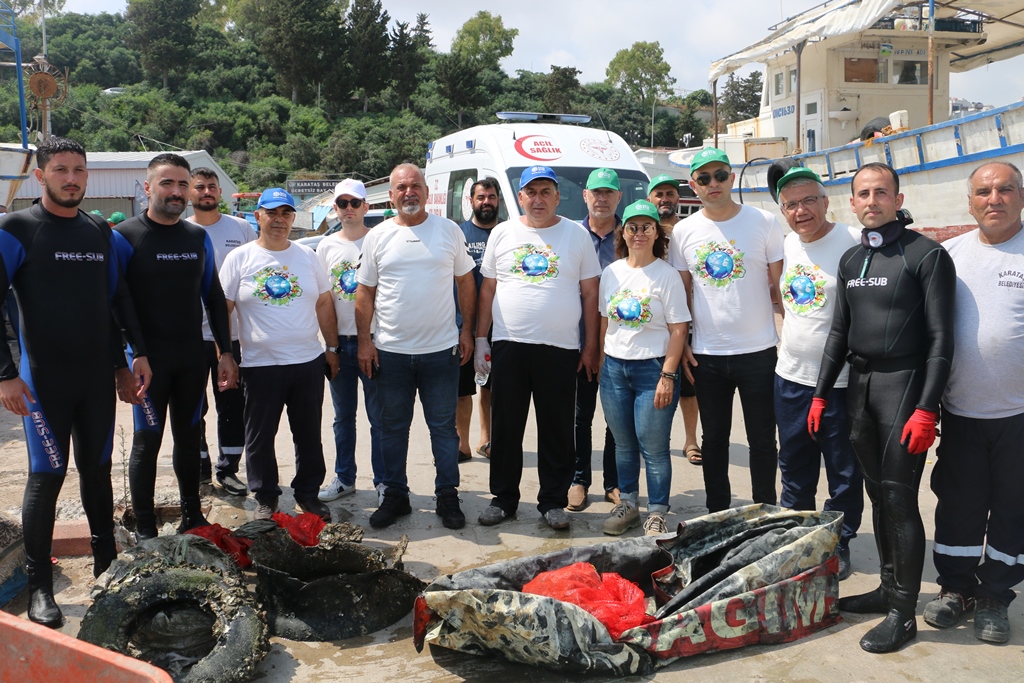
<point>919,432</point>
<point>814,416</point>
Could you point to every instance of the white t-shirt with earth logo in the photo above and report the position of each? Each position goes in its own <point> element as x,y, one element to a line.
<point>275,294</point>
<point>538,273</point>
<point>732,306</point>
<point>340,258</point>
<point>640,303</point>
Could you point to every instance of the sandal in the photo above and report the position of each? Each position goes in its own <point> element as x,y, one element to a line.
<point>485,450</point>
<point>693,455</point>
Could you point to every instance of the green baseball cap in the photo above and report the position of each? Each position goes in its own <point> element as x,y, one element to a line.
<point>663,179</point>
<point>794,173</point>
<point>603,178</point>
<point>641,207</point>
<point>97,212</point>
<point>117,217</point>
<point>708,155</point>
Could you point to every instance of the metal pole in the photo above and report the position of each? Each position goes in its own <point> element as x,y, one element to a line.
<point>799,49</point>
<point>931,62</point>
<point>653,105</point>
<point>42,13</point>
<point>714,108</point>
<point>21,92</point>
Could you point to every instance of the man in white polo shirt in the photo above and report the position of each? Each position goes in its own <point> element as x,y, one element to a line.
<point>730,259</point>
<point>541,275</point>
<point>405,278</point>
<point>283,298</point>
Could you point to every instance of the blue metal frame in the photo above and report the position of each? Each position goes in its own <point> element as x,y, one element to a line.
<point>9,41</point>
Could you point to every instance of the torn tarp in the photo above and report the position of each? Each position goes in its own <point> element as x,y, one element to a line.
<point>729,579</point>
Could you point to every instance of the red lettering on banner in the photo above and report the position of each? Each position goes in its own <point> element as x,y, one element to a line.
<point>538,148</point>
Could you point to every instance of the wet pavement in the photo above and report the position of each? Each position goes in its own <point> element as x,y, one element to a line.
<point>833,654</point>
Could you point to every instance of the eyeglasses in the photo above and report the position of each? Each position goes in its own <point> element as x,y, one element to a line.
<point>808,203</point>
<point>633,229</point>
<point>721,175</point>
<point>343,203</point>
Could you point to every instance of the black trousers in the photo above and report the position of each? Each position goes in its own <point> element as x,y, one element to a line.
<point>979,481</point>
<point>230,407</point>
<point>880,403</point>
<point>268,391</point>
<point>178,385</point>
<point>586,406</point>
<point>547,374</point>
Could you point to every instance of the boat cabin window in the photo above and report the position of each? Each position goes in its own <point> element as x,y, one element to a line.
<point>864,70</point>
<point>910,72</point>
<point>780,84</point>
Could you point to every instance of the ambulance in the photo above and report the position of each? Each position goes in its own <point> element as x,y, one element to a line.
<point>522,139</point>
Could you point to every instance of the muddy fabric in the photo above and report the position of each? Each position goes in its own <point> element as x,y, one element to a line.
<point>729,579</point>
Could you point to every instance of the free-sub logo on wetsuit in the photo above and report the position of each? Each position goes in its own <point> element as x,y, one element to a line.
<point>89,256</point>
<point>867,282</point>
<point>46,439</point>
<point>183,256</point>
<point>343,279</point>
<point>275,285</point>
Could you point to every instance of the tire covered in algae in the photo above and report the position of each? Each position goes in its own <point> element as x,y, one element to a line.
<point>237,630</point>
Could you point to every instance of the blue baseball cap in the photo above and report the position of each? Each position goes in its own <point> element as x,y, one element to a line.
<point>536,173</point>
<point>275,197</point>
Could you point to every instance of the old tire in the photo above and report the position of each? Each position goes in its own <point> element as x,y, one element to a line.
<point>238,629</point>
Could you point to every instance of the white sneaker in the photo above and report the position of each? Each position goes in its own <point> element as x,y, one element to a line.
<point>380,493</point>
<point>336,490</point>
<point>655,524</point>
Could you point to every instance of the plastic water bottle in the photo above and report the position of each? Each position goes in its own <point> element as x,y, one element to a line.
<point>481,377</point>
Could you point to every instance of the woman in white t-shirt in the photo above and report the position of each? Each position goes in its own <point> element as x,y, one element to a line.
<point>644,325</point>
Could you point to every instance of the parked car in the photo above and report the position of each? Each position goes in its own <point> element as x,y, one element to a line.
<point>373,217</point>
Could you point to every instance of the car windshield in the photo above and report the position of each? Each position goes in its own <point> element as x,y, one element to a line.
<point>572,181</point>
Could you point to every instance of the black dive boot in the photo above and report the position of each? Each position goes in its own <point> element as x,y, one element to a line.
<point>145,524</point>
<point>875,602</point>
<point>42,608</point>
<point>191,515</point>
<point>896,629</point>
<point>104,551</point>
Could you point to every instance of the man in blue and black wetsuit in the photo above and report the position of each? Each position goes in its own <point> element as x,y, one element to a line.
<point>60,263</point>
<point>894,324</point>
<point>169,264</point>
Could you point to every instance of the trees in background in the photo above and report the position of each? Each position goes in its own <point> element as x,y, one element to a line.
<point>163,33</point>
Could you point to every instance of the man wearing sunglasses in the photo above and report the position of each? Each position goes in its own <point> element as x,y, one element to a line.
<point>730,259</point>
<point>339,254</point>
<point>894,326</point>
<point>813,251</point>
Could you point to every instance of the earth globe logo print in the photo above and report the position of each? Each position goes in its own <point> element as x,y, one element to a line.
<point>802,289</point>
<point>535,264</point>
<point>275,285</point>
<point>719,265</point>
<point>347,281</point>
<point>629,309</point>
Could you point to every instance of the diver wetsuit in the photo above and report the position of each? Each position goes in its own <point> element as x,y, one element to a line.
<point>170,271</point>
<point>66,282</point>
<point>894,323</point>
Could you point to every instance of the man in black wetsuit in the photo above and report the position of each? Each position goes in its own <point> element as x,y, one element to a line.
<point>894,323</point>
<point>60,263</point>
<point>169,264</point>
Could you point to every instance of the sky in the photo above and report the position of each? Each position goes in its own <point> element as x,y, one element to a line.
<point>587,34</point>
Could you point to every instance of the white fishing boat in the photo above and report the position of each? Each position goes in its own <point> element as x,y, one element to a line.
<point>834,69</point>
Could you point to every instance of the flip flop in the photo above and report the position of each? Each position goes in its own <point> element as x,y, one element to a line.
<point>485,450</point>
<point>465,457</point>
<point>693,456</point>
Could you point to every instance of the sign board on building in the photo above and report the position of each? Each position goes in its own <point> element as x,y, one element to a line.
<point>310,186</point>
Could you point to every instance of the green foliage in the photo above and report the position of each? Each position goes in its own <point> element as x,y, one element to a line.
<point>641,72</point>
<point>407,61</point>
<point>483,40</point>
<point>562,86</point>
<point>740,98</point>
<point>458,83</point>
<point>368,48</point>
<point>163,33</point>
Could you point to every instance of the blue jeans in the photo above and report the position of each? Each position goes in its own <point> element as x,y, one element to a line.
<point>627,397</point>
<point>800,456</point>
<point>343,395</point>
<point>436,377</point>
<point>717,378</point>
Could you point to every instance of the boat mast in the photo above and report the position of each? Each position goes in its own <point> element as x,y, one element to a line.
<point>931,62</point>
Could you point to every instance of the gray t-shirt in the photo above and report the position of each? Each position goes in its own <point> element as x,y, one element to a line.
<point>987,378</point>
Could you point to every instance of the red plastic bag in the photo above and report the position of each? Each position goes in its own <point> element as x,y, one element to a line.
<point>304,529</point>
<point>614,601</point>
<point>237,548</point>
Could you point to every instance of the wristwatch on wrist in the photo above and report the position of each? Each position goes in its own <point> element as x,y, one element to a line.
<point>332,349</point>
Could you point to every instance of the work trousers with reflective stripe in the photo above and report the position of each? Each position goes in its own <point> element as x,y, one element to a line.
<point>979,519</point>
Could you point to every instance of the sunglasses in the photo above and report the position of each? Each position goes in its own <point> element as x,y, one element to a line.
<point>632,229</point>
<point>344,203</point>
<point>721,175</point>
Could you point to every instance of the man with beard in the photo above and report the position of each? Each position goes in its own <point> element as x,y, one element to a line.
<point>663,192</point>
<point>405,274</point>
<point>226,233</point>
<point>484,198</point>
<point>894,325</point>
<point>60,263</point>
<point>170,265</point>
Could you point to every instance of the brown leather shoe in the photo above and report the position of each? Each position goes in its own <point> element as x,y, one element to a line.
<point>612,496</point>
<point>577,498</point>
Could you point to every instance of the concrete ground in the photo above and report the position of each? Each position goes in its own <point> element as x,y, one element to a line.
<point>953,655</point>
